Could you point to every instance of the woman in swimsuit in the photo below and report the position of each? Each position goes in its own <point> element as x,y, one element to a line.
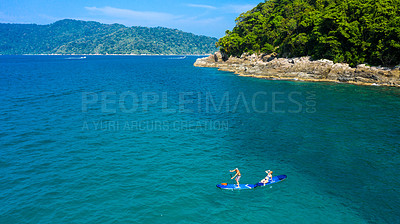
<point>237,175</point>
<point>267,178</point>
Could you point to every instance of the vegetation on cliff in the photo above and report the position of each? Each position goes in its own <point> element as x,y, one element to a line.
<point>350,31</point>
<point>80,37</point>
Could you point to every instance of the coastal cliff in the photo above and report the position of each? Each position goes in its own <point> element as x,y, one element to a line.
<point>301,69</point>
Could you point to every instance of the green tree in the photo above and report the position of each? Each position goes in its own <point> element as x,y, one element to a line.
<point>351,31</point>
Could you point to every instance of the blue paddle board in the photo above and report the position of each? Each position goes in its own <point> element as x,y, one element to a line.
<point>236,187</point>
<point>275,179</point>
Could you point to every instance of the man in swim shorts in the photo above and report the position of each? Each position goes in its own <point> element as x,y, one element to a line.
<point>237,175</point>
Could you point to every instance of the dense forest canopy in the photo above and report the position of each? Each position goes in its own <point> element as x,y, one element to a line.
<point>80,37</point>
<point>351,31</point>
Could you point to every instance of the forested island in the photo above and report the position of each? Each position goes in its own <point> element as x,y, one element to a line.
<point>347,31</point>
<point>352,41</point>
<point>81,37</point>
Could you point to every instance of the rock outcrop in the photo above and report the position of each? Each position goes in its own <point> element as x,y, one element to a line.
<point>303,68</point>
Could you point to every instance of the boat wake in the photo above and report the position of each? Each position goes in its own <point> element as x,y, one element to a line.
<point>176,58</point>
<point>76,58</point>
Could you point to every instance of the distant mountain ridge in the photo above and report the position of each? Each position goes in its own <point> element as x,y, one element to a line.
<point>82,37</point>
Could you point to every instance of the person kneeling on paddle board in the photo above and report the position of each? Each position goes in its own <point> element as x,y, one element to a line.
<point>237,175</point>
<point>267,178</point>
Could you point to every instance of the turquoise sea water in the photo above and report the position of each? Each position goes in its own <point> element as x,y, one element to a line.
<point>145,139</point>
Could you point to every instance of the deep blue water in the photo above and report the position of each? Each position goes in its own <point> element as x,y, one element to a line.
<point>145,139</point>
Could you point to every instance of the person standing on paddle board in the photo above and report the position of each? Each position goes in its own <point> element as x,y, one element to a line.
<point>237,175</point>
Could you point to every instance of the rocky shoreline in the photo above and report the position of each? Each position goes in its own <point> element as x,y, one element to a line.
<point>301,69</point>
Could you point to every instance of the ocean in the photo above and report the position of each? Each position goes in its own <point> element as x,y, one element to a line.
<point>145,139</point>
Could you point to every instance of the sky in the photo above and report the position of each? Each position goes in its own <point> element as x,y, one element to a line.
<point>202,17</point>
